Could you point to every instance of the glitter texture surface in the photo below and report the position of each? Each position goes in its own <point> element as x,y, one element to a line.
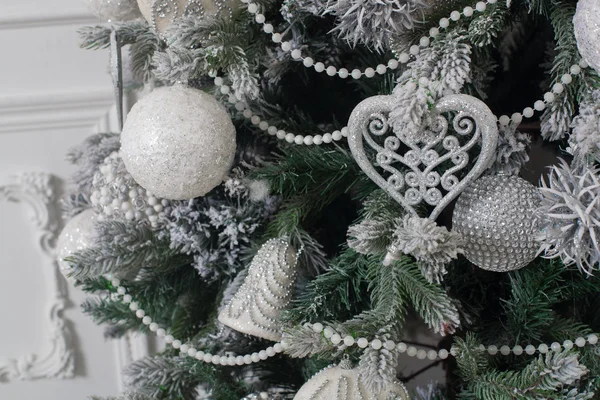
<point>178,143</point>
<point>114,10</point>
<point>162,13</point>
<point>424,169</point>
<point>496,217</point>
<point>338,383</point>
<point>587,31</point>
<point>77,235</point>
<point>266,291</point>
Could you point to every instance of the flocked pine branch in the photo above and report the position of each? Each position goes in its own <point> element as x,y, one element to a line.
<point>122,249</point>
<point>543,378</point>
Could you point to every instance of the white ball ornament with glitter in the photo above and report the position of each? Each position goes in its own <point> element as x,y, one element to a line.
<point>266,292</point>
<point>114,10</point>
<point>344,383</point>
<point>162,13</point>
<point>586,24</point>
<point>178,142</point>
<point>77,235</point>
<point>496,216</point>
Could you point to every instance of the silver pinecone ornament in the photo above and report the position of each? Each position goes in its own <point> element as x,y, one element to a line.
<point>497,219</point>
<point>343,383</point>
<point>266,291</point>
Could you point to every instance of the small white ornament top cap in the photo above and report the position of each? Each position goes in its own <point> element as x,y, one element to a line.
<point>266,292</point>
<point>338,383</point>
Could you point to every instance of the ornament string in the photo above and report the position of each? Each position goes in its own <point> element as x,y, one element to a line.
<point>336,340</point>
<point>116,69</point>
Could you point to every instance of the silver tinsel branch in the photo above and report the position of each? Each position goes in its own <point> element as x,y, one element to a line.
<point>571,212</point>
<point>375,22</point>
<point>584,140</point>
<point>432,246</point>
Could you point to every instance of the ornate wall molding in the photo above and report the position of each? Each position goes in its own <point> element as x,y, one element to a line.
<point>130,348</point>
<point>38,191</point>
<point>27,113</point>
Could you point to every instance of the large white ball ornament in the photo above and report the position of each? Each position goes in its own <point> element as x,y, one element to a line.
<point>587,31</point>
<point>77,235</point>
<point>115,10</point>
<point>162,13</point>
<point>178,142</point>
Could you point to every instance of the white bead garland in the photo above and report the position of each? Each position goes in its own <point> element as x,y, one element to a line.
<point>335,339</point>
<point>369,72</point>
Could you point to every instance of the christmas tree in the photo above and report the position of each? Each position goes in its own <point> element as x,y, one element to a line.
<point>303,182</point>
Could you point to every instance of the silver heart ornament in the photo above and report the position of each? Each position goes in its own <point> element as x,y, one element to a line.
<point>426,167</point>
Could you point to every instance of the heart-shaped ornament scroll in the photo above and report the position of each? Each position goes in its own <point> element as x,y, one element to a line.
<point>423,168</point>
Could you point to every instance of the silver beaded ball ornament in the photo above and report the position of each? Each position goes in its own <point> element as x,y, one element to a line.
<point>114,10</point>
<point>586,24</point>
<point>178,142</point>
<point>496,217</point>
<point>115,195</point>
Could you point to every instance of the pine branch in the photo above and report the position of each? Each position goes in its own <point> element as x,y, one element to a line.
<point>333,294</point>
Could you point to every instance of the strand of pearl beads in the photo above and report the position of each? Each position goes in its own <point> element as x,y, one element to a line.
<point>273,130</point>
<point>369,72</point>
<point>412,351</point>
<point>335,339</point>
<point>187,349</point>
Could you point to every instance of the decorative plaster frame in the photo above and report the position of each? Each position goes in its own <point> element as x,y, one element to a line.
<point>39,191</point>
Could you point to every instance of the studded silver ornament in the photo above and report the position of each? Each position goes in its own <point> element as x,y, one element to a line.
<point>586,24</point>
<point>162,13</point>
<point>178,142</point>
<point>342,383</point>
<point>77,235</point>
<point>265,293</point>
<point>114,10</point>
<point>496,215</point>
<point>423,168</point>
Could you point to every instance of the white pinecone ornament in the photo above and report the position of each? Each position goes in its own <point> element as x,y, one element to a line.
<point>343,383</point>
<point>266,292</point>
<point>496,216</point>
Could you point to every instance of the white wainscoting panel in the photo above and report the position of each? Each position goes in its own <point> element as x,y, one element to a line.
<point>52,96</point>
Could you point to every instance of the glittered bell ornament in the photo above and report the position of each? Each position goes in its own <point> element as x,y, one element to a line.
<point>77,235</point>
<point>162,13</point>
<point>265,293</point>
<point>178,142</point>
<point>115,194</point>
<point>497,219</point>
<point>114,10</point>
<point>342,383</point>
<point>586,23</point>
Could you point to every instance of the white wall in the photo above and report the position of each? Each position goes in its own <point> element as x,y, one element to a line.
<point>52,95</point>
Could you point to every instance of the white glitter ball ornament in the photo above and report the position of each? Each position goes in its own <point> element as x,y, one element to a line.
<point>77,235</point>
<point>114,10</point>
<point>162,13</point>
<point>340,383</point>
<point>587,31</point>
<point>116,195</point>
<point>496,217</point>
<point>178,142</point>
<point>266,291</point>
